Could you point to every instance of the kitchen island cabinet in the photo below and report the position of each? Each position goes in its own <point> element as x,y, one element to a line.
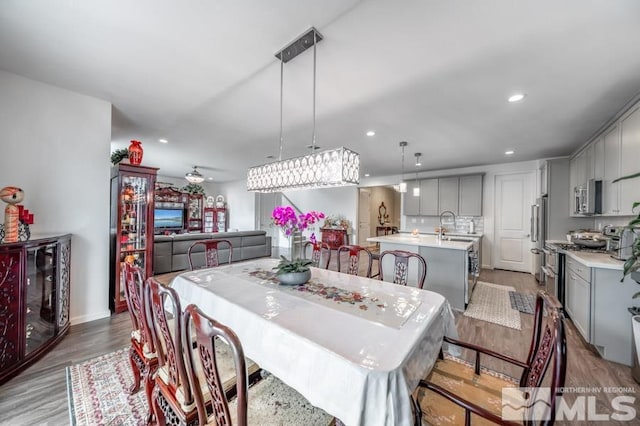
<point>447,264</point>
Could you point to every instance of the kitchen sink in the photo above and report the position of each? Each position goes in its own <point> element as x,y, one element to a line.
<point>458,239</point>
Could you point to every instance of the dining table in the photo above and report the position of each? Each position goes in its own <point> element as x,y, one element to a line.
<point>353,346</point>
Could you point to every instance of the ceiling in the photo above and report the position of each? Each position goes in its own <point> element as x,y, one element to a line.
<point>202,74</point>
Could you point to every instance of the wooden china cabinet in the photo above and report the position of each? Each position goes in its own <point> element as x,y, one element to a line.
<point>195,213</point>
<point>35,289</point>
<point>132,209</point>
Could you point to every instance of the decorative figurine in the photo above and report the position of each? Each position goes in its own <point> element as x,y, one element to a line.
<point>12,196</point>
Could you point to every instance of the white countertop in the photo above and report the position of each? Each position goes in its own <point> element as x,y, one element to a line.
<point>592,260</point>
<point>423,240</point>
<point>453,234</point>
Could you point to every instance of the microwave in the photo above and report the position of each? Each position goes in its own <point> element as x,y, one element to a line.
<point>588,198</point>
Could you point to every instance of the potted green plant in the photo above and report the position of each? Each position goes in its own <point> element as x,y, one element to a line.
<point>118,155</point>
<point>293,272</point>
<point>193,189</point>
<point>632,264</point>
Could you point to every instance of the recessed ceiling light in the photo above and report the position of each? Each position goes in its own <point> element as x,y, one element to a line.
<point>510,152</point>
<point>371,133</point>
<point>210,178</point>
<point>163,141</point>
<point>516,97</point>
<point>367,175</point>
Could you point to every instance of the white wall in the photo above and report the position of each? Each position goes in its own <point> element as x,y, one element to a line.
<point>241,205</point>
<point>56,147</point>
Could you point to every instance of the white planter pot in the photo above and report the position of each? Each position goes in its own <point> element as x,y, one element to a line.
<point>635,347</point>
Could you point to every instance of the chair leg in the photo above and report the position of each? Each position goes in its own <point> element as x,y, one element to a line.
<point>417,412</point>
<point>136,371</point>
<point>148,389</point>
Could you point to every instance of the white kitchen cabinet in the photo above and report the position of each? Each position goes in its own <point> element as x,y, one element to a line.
<point>429,197</point>
<point>598,158</point>
<point>470,196</point>
<point>629,155</point>
<point>578,302</point>
<point>448,194</point>
<point>611,191</point>
<point>410,203</point>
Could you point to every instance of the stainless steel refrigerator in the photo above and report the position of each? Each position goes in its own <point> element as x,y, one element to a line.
<point>550,217</point>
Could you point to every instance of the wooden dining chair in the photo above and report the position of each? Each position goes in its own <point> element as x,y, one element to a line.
<point>142,353</point>
<point>211,249</point>
<point>455,391</point>
<point>349,259</point>
<point>269,401</point>
<point>400,271</point>
<point>172,400</point>
<point>320,253</point>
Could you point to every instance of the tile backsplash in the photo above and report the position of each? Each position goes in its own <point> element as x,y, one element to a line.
<point>428,223</point>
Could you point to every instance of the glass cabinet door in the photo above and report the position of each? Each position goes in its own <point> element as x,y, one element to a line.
<point>40,296</point>
<point>133,223</point>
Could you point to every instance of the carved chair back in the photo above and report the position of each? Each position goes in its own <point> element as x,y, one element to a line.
<point>206,331</point>
<point>167,335</point>
<point>350,254</point>
<point>401,266</point>
<point>211,250</point>
<point>320,253</point>
<point>134,293</point>
<point>547,341</point>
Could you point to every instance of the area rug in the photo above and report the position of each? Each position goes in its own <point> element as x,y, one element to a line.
<point>97,392</point>
<point>524,303</point>
<point>491,302</point>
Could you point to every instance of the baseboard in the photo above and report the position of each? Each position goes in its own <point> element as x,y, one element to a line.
<point>92,317</point>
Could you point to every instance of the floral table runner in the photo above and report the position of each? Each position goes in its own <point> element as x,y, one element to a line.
<point>374,305</point>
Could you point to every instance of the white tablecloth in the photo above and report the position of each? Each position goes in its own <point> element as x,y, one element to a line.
<point>358,370</point>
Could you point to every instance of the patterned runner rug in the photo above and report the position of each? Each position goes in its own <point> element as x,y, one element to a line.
<point>491,302</point>
<point>97,392</point>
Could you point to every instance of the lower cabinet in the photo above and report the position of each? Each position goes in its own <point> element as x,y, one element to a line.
<point>578,302</point>
<point>34,300</point>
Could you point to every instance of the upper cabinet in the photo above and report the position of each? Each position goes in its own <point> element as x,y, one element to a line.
<point>459,194</point>
<point>429,197</point>
<point>448,194</point>
<point>629,156</point>
<point>612,154</point>
<point>611,164</point>
<point>470,196</point>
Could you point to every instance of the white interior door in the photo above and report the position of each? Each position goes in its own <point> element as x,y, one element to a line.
<point>513,200</point>
<point>267,202</point>
<point>364,214</point>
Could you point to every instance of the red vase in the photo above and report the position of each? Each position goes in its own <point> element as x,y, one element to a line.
<point>135,153</point>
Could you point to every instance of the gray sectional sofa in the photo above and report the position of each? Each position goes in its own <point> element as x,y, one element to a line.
<point>170,251</point>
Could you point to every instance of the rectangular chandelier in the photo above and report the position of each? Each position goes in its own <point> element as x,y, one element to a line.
<point>335,167</point>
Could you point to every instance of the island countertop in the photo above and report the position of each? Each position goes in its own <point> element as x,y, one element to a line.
<point>422,240</point>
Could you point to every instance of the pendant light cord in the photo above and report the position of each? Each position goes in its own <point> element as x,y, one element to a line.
<point>313,136</point>
<point>281,86</point>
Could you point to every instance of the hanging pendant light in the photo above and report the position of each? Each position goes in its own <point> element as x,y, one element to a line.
<point>416,189</point>
<point>402,186</point>
<point>335,167</point>
<point>194,176</point>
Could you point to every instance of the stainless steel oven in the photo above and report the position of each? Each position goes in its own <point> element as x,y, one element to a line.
<point>553,272</point>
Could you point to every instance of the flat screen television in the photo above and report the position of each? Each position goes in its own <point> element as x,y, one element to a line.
<point>167,219</point>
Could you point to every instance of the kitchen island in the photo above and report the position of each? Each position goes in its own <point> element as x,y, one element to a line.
<point>447,263</point>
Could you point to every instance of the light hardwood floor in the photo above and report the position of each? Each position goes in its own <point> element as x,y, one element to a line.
<point>38,396</point>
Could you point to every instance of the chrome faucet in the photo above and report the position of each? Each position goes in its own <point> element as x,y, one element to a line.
<point>450,213</point>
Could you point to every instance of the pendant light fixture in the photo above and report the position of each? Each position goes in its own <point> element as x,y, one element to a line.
<point>416,189</point>
<point>335,167</point>
<point>194,176</point>
<point>402,186</point>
